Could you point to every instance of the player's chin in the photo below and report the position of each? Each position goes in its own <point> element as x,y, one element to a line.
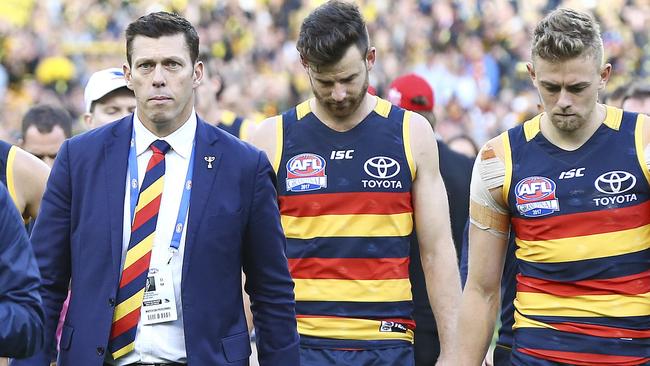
<point>568,124</point>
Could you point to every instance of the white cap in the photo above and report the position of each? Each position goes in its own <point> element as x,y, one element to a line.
<point>101,83</point>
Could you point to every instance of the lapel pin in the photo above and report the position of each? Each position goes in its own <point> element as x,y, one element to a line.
<point>209,160</point>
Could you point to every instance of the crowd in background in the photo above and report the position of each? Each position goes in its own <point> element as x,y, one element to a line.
<point>473,53</point>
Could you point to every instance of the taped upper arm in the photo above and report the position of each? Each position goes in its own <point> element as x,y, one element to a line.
<point>488,210</point>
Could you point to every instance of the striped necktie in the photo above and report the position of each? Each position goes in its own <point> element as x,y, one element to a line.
<point>138,255</point>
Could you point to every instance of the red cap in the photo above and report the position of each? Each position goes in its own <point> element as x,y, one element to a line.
<point>411,92</point>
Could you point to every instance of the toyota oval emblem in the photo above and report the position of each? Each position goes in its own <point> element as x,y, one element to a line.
<point>615,182</point>
<point>381,167</point>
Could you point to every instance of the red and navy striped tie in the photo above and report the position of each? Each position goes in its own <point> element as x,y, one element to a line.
<point>138,255</point>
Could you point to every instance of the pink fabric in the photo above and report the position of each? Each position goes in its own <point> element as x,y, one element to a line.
<point>59,327</point>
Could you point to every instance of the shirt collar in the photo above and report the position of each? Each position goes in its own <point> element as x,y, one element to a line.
<point>181,140</point>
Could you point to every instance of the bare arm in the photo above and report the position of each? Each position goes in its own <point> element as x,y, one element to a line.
<point>481,296</point>
<point>248,128</point>
<point>30,178</point>
<point>434,235</point>
<point>264,138</point>
<point>488,240</point>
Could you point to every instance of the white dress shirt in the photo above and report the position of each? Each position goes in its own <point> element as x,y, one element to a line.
<point>162,342</point>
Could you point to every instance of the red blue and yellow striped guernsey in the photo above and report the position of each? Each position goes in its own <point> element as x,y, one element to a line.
<point>345,201</point>
<point>582,225</point>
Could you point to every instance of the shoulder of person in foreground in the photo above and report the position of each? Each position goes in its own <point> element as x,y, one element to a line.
<point>266,137</point>
<point>29,181</point>
<point>21,312</point>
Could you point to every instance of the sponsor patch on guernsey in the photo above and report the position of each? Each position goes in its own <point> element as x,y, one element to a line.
<point>536,197</point>
<point>306,172</point>
<point>388,326</point>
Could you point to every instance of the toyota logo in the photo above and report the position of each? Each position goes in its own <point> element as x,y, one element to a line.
<point>615,182</point>
<point>381,167</point>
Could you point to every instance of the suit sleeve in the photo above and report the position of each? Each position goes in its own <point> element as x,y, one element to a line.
<point>51,242</point>
<point>268,281</point>
<point>21,312</point>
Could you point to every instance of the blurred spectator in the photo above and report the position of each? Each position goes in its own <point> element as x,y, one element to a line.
<point>413,93</point>
<point>615,98</point>
<point>474,52</point>
<point>207,104</point>
<point>637,98</point>
<point>107,98</point>
<point>44,129</point>
<point>463,144</point>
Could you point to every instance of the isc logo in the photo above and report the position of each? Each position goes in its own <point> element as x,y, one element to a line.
<point>341,155</point>
<point>573,173</point>
<point>534,188</point>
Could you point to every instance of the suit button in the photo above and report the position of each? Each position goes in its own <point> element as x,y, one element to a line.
<point>111,302</point>
<point>100,351</point>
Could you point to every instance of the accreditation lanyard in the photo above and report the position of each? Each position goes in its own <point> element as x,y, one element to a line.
<point>185,199</point>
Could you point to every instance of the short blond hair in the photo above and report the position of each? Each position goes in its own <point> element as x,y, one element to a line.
<point>565,34</point>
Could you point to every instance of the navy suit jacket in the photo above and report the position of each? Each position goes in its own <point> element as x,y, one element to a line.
<point>233,223</point>
<point>21,312</point>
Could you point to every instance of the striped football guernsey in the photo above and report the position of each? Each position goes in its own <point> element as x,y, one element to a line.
<point>345,201</point>
<point>582,225</point>
<point>234,124</point>
<point>7,155</point>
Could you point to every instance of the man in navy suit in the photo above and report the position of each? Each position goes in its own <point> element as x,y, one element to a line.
<point>162,195</point>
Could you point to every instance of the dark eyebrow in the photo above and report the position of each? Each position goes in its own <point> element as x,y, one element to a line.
<point>173,58</point>
<point>548,84</point>
<point>583,84</point>
<point>164,60</point>
<point>350,77</point>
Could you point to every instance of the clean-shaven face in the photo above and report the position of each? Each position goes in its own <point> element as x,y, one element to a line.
<point>163,78</point>
<point>113,108</point>
<point>44,146</point>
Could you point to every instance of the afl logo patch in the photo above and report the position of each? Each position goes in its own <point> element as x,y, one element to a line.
<point>306,172</point>
<point>536,197</point>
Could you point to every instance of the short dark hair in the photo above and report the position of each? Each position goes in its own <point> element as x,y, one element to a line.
<point>119,91</point>
<point>327,33</point>
<point>45,117</point>
<point>156,25</point>
<point>638,90</point>
<point>616,94</point>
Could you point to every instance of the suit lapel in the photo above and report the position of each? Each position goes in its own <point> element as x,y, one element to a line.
<point>202,182</point>
<point>116,154</point>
